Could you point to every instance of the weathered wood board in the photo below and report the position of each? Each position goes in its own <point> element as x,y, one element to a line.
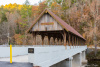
<point>47,23</point>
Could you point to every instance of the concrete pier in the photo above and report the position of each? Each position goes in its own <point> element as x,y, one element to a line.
<point>76,62</point>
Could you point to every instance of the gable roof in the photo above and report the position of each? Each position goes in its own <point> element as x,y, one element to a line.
<point>59,20</point>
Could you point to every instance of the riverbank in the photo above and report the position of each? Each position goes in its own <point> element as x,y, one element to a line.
<point>93,61</point>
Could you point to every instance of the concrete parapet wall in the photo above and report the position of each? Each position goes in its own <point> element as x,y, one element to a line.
<point>5,51</point>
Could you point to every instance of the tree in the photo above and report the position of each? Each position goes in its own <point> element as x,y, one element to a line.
<point>42,6</point>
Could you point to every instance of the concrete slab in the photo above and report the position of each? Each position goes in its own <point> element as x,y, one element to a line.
<point>15,64</point>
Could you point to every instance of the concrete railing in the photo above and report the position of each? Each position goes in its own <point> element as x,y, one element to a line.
<point>48,56</point>
<point>5,51</point>
<point>23,50</point>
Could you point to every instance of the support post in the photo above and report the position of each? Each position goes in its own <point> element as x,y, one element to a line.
<point>70,62</point>
<point>84,42</point>
<point>34,38</point>
<point>54,40</point>
<point>48,40</point>
<point>77,60</point>
<point>69,41</point>
<point>57,41</point>
<point>43,39</point>
<point>60,42</point>
<point>80,58</point>
<point>79,42</point>
<point>64,38</point>
<point>75,41</point>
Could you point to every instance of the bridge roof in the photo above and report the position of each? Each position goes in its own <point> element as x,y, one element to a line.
<point>59,20</point>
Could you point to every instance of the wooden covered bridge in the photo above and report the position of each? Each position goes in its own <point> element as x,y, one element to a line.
<point>49,24</point>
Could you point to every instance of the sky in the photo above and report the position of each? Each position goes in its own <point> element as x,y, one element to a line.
<point>32,2</point>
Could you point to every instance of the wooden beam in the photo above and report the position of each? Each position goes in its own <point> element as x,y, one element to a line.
<point>49,40</point>
<point>79,42</point>
<point>34,38</point>
<point>69,40</point>
<point>54,40</point>
<point>42,36</point>
<point>61,41</point>
<point>84,42</point>
<point>57,41</point>
<point>64,37</point>
<point>75,42</point>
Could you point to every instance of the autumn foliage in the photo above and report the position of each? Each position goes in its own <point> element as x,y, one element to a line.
<point>80,14</point>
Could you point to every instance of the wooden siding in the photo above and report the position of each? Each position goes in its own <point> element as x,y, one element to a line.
<point>46,18</point>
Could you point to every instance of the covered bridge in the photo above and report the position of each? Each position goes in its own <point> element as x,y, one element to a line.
<point>49,24</point>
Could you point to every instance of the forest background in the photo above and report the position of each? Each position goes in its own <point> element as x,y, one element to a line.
<point>82,15</point>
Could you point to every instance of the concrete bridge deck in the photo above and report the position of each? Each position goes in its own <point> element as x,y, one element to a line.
<point>51,56</point>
